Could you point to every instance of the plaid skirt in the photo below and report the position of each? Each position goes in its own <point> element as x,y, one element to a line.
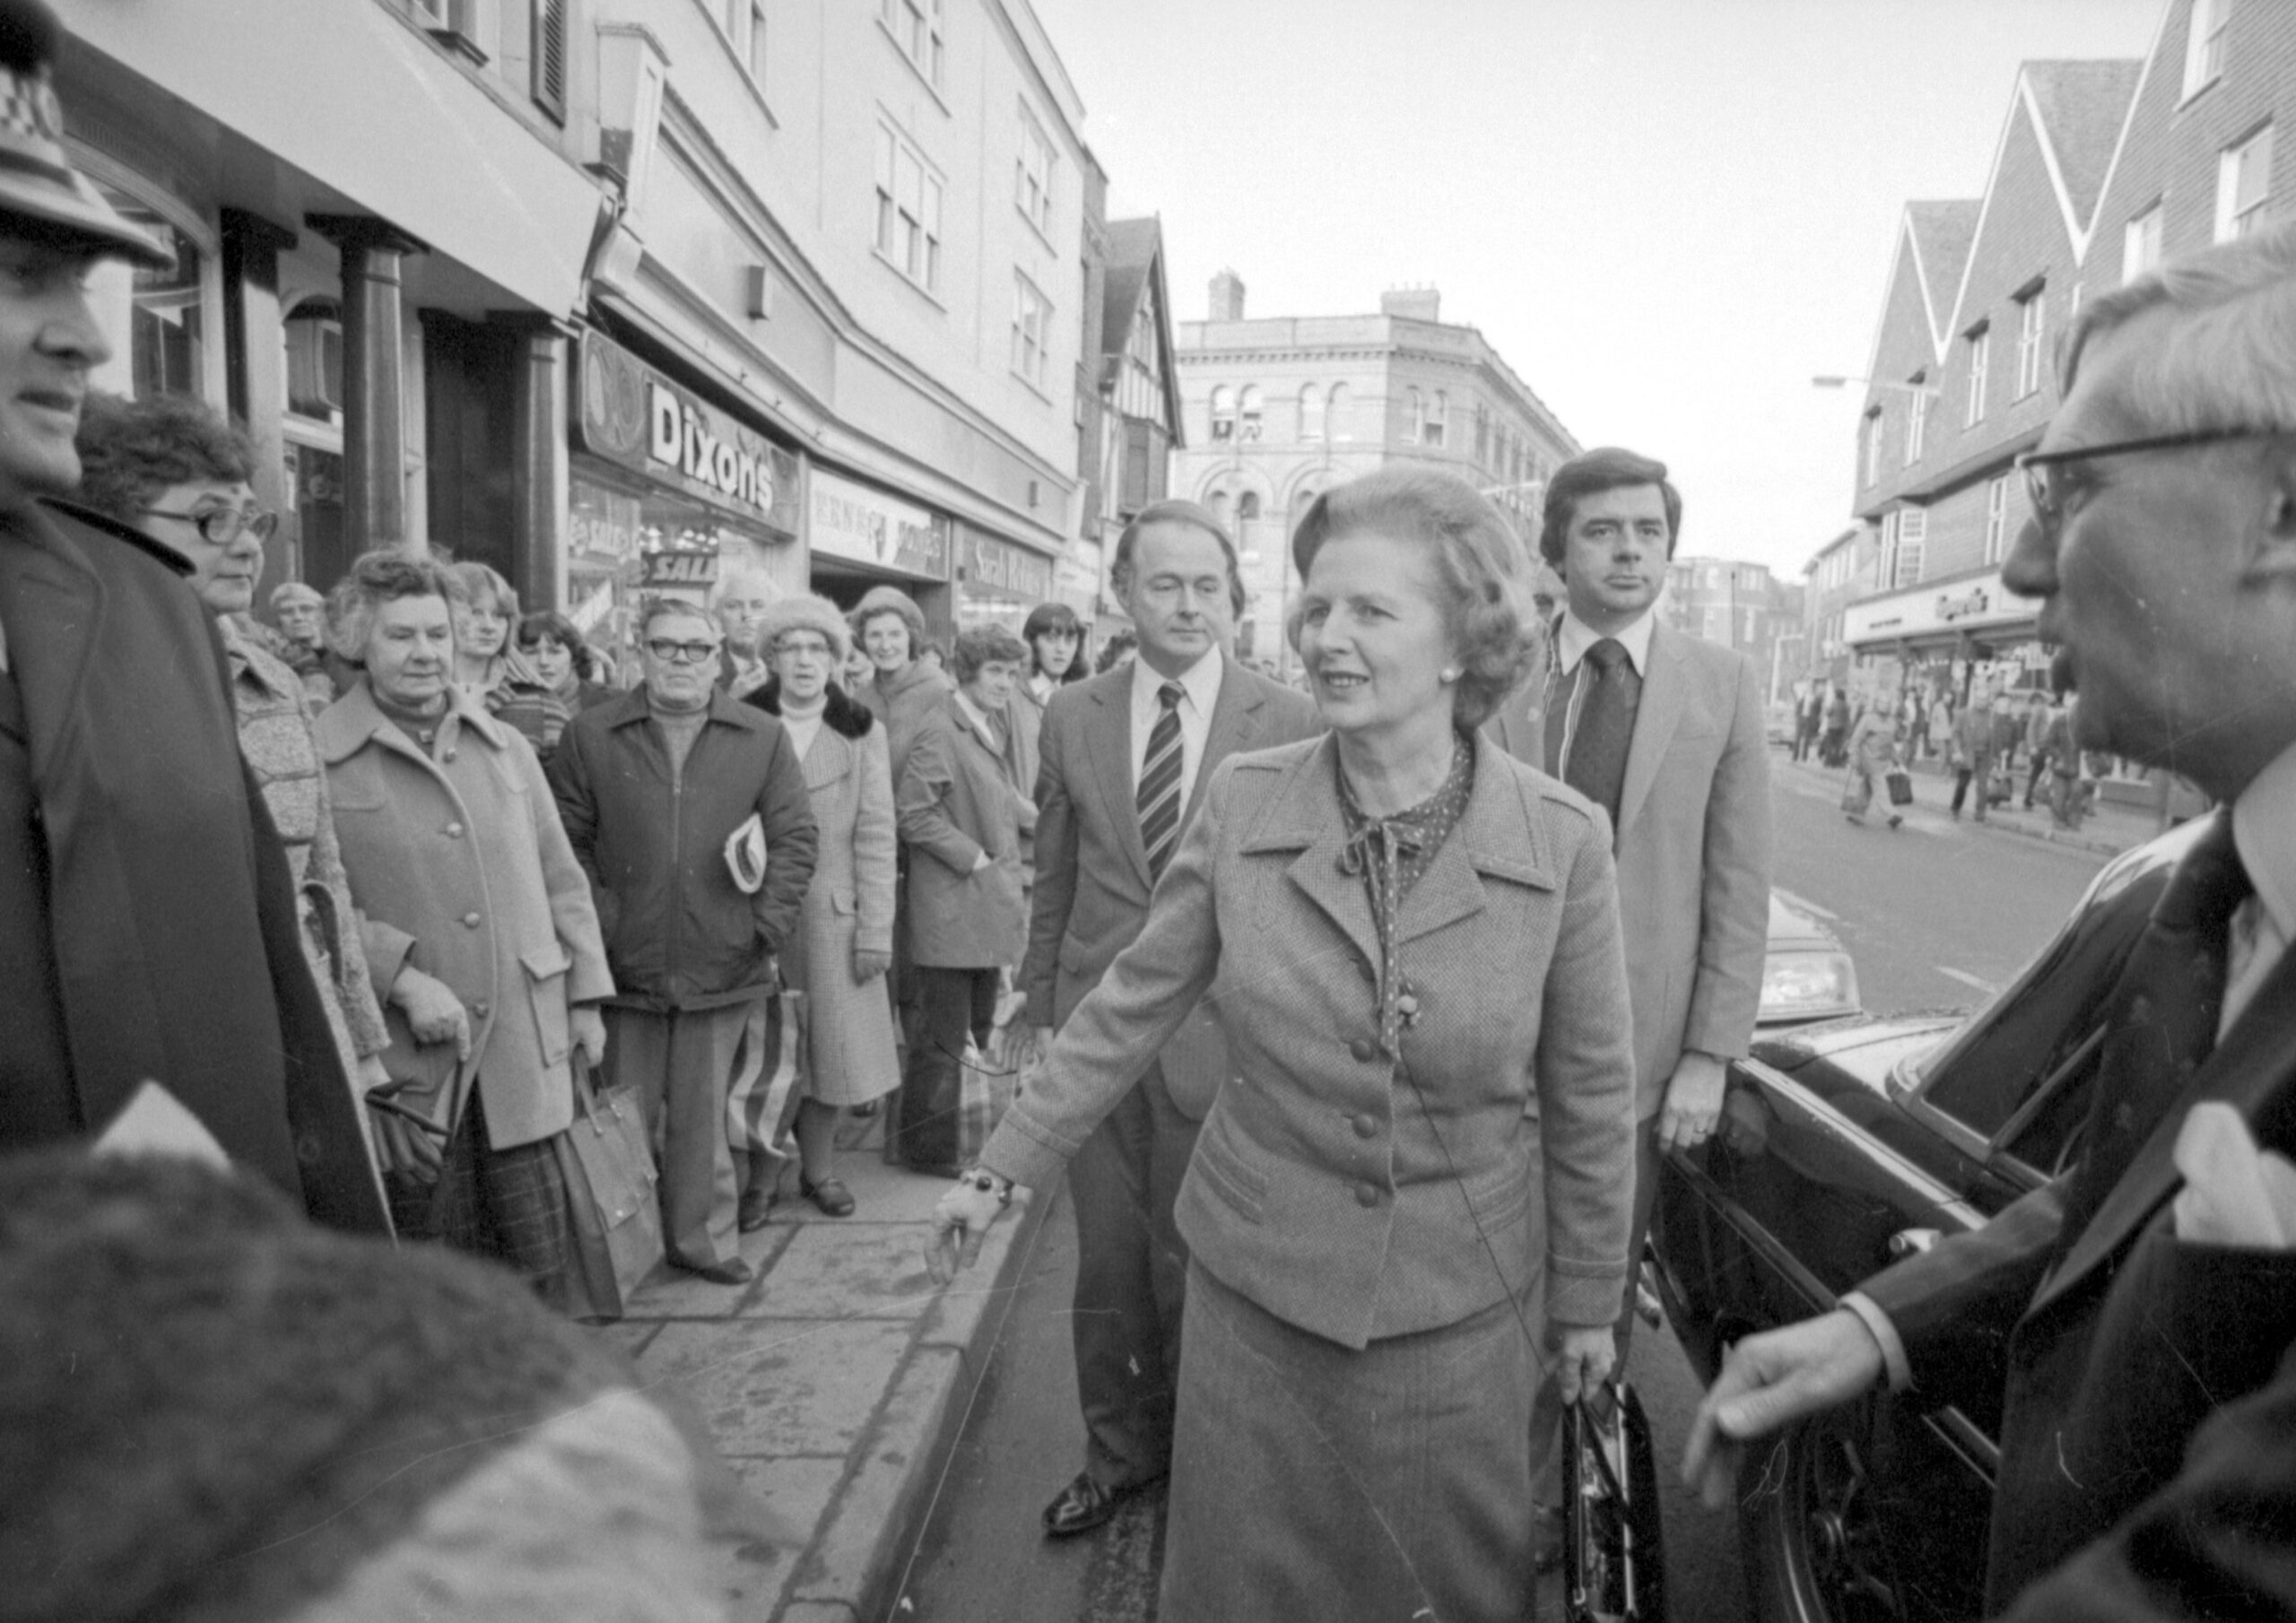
<point>508,1205</point>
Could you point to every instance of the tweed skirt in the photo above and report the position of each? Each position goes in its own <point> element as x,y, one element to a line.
<point>1311,1480</point>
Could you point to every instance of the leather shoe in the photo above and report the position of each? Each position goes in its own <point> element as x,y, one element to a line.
<point>1085,1504</point>
<point>755,1206</point>
<point>733,1271</point>
<point>830,1194</point>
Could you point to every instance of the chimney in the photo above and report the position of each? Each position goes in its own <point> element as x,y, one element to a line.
<point>1416,304</point>
<point>1227,297</point>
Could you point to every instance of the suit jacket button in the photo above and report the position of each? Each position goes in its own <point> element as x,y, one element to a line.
<point>1367,1195</point>
<point>307,1150</point>
<point>1364,1048</point>
<point>1366,1126</point>
<point>480,1008</point>
<point>472,921</point>
<point>453,830</point>
<point>449,755</point>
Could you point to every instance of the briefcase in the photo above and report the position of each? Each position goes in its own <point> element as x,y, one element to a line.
<point>1900,787</point>
<point>1613,1560</point>
<point>614,1222</point>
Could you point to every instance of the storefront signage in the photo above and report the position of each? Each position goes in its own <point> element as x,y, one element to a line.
<point>633,415</point>
<point>681,568</point>
<point>1010,571</point>
<point>1972,603</point>
<point>854,521</point>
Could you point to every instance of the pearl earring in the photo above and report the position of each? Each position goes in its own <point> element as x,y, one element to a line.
<point>1449,674</point>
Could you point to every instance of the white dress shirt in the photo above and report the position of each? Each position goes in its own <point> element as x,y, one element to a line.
<point>2264,832</point>
<point>1199,691</point>
<point>1572,638</point>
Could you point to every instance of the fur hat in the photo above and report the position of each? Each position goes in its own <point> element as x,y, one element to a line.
<point>891,600</point>
<point>39,190</point>
<point>804,612</point>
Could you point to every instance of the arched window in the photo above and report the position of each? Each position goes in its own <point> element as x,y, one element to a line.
<point>1249,429</point>
<point>1336,412</point>
<point>1311,413</point>
<point>1218,503</point>
<point>1246,506</point>
<point>1415,409</point>
<point>1439,410</point>
<point>1223,413</point>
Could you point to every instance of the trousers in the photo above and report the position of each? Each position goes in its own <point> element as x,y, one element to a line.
<point>1131,1282</point>
<point>681,1064</point>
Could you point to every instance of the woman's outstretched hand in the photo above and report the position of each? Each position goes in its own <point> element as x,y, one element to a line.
<point>960,1223</point>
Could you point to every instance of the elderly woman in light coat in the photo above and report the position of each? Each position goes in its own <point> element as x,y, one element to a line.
<point>478,922</point>
<point>1415,1187</point>
<point>844,944</point>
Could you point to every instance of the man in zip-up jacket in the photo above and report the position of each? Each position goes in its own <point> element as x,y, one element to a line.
<point>652,786</point>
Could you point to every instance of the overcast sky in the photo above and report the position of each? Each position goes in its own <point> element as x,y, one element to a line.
<point>1667,214</point>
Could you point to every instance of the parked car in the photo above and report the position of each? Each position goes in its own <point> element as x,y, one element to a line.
<point>1845,1145</point>
<point>1805,974</point>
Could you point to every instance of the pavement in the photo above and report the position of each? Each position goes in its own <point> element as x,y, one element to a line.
<point>2110,829</point>
<point>835,1383</point>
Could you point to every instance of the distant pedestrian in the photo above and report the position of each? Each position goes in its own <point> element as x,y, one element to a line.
<point>688,811</point>
<point>903,689</point>
<point>554,684</point>
<point>960,815</point>
<point>839,956</point>
<point>147,923</point>
<point>478,926</point>
<point>299,611</point>
<point>739,600</point>
<point>1971,754</point>
<point>1809,720</point>
<point>485,608</point>
<point>1835,740</point>
<point>2071,790</point>
<point>175,468</point>
<point>2037,717</point>
<point>1873,751</point>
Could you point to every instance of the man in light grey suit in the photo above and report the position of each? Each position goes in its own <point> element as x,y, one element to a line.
<point>1665,731</point>
<point>1124,761</point>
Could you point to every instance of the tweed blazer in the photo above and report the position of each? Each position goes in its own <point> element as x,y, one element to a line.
<point>955,798</point>
<point>461,867</point>
<point>1355,1194</point>
<point>1693,847</point>
<point>1091,884</point>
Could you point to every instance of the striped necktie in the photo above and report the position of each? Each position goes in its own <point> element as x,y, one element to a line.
<point>1159,799</point>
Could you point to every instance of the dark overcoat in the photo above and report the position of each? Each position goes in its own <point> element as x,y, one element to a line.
<point>147,923</point>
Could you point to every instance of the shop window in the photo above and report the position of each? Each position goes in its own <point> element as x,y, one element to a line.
<point>314,329</point>
<point>167,333</point>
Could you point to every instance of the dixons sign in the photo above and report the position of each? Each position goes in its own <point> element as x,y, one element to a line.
<point>631,414</point>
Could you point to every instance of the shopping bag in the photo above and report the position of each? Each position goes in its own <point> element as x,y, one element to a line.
<point>768,1072</point>
<point>1858,793</point>
<point>1613,1563</point>
<point>615,1220</point>
<point>1901,786</point>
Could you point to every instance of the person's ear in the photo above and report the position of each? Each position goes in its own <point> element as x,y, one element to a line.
<point>2275,553</point>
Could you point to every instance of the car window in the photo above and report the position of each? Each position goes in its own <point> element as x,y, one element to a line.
<point>2026,1059</point>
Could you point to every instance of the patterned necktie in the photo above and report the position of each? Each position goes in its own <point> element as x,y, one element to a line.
<point>1598,745</point>
<point>1159,799</point>
<point>2166,1005</point>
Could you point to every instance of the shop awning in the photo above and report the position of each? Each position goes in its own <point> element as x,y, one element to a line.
<point>348,94</point>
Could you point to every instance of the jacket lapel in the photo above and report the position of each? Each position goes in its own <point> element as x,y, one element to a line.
<point>2253,1060</point>
<point>829,759</point>
<point>1235,722</point>
<point>1493,837</point>
<point>1111,746</point>
<point>1664,689</point>
<point>56,602</point>
<point>1303,815</point>
<point>1520,725</point>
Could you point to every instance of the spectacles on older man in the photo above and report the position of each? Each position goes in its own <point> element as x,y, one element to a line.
<point>682,652</point>
<point>221,526</point>
<point>2052,481</point>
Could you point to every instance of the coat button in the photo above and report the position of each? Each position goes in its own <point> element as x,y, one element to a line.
<point>1366,1126</point>
<point>307,1150</point>
<point>472,921</point>
<point>1364,1048</point>
<point>1367,1195</point>
<point>453,830</point>
<point>448,755</point>
<point>480,1008</point>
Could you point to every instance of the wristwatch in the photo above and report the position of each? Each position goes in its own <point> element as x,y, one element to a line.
<point>988,1183</point>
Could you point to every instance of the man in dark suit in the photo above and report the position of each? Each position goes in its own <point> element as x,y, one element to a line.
<point>1124,761</point>
<point>1666,733</point>
<point>2136,1316</point>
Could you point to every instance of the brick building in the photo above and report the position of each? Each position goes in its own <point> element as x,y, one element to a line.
<point>1281,408</point>
<point>2102,170</point>
<point>1739,605</point>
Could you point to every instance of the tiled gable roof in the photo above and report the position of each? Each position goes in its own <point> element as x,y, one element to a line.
<point>1943,232</point>
<point>2081,107</point>
<point>1132,247</point>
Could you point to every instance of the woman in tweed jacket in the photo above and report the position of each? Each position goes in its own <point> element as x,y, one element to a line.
<point>1414,1183</point>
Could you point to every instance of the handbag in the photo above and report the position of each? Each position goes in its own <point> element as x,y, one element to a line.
<point>1613,1559</point>
<point>615,1228</point>
<point>771,1071</point>
<point>1900,787</point>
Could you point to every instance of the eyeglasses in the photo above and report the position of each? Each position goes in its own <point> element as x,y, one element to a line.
<point>2050,490</point>
<point>221,526</point>
<point>812,645</point>
<point>682,652</point>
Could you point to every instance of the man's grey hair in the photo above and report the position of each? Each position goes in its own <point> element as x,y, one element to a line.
<point>2233,361</point>
<point>664,607</point>
<point>744,574</point>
